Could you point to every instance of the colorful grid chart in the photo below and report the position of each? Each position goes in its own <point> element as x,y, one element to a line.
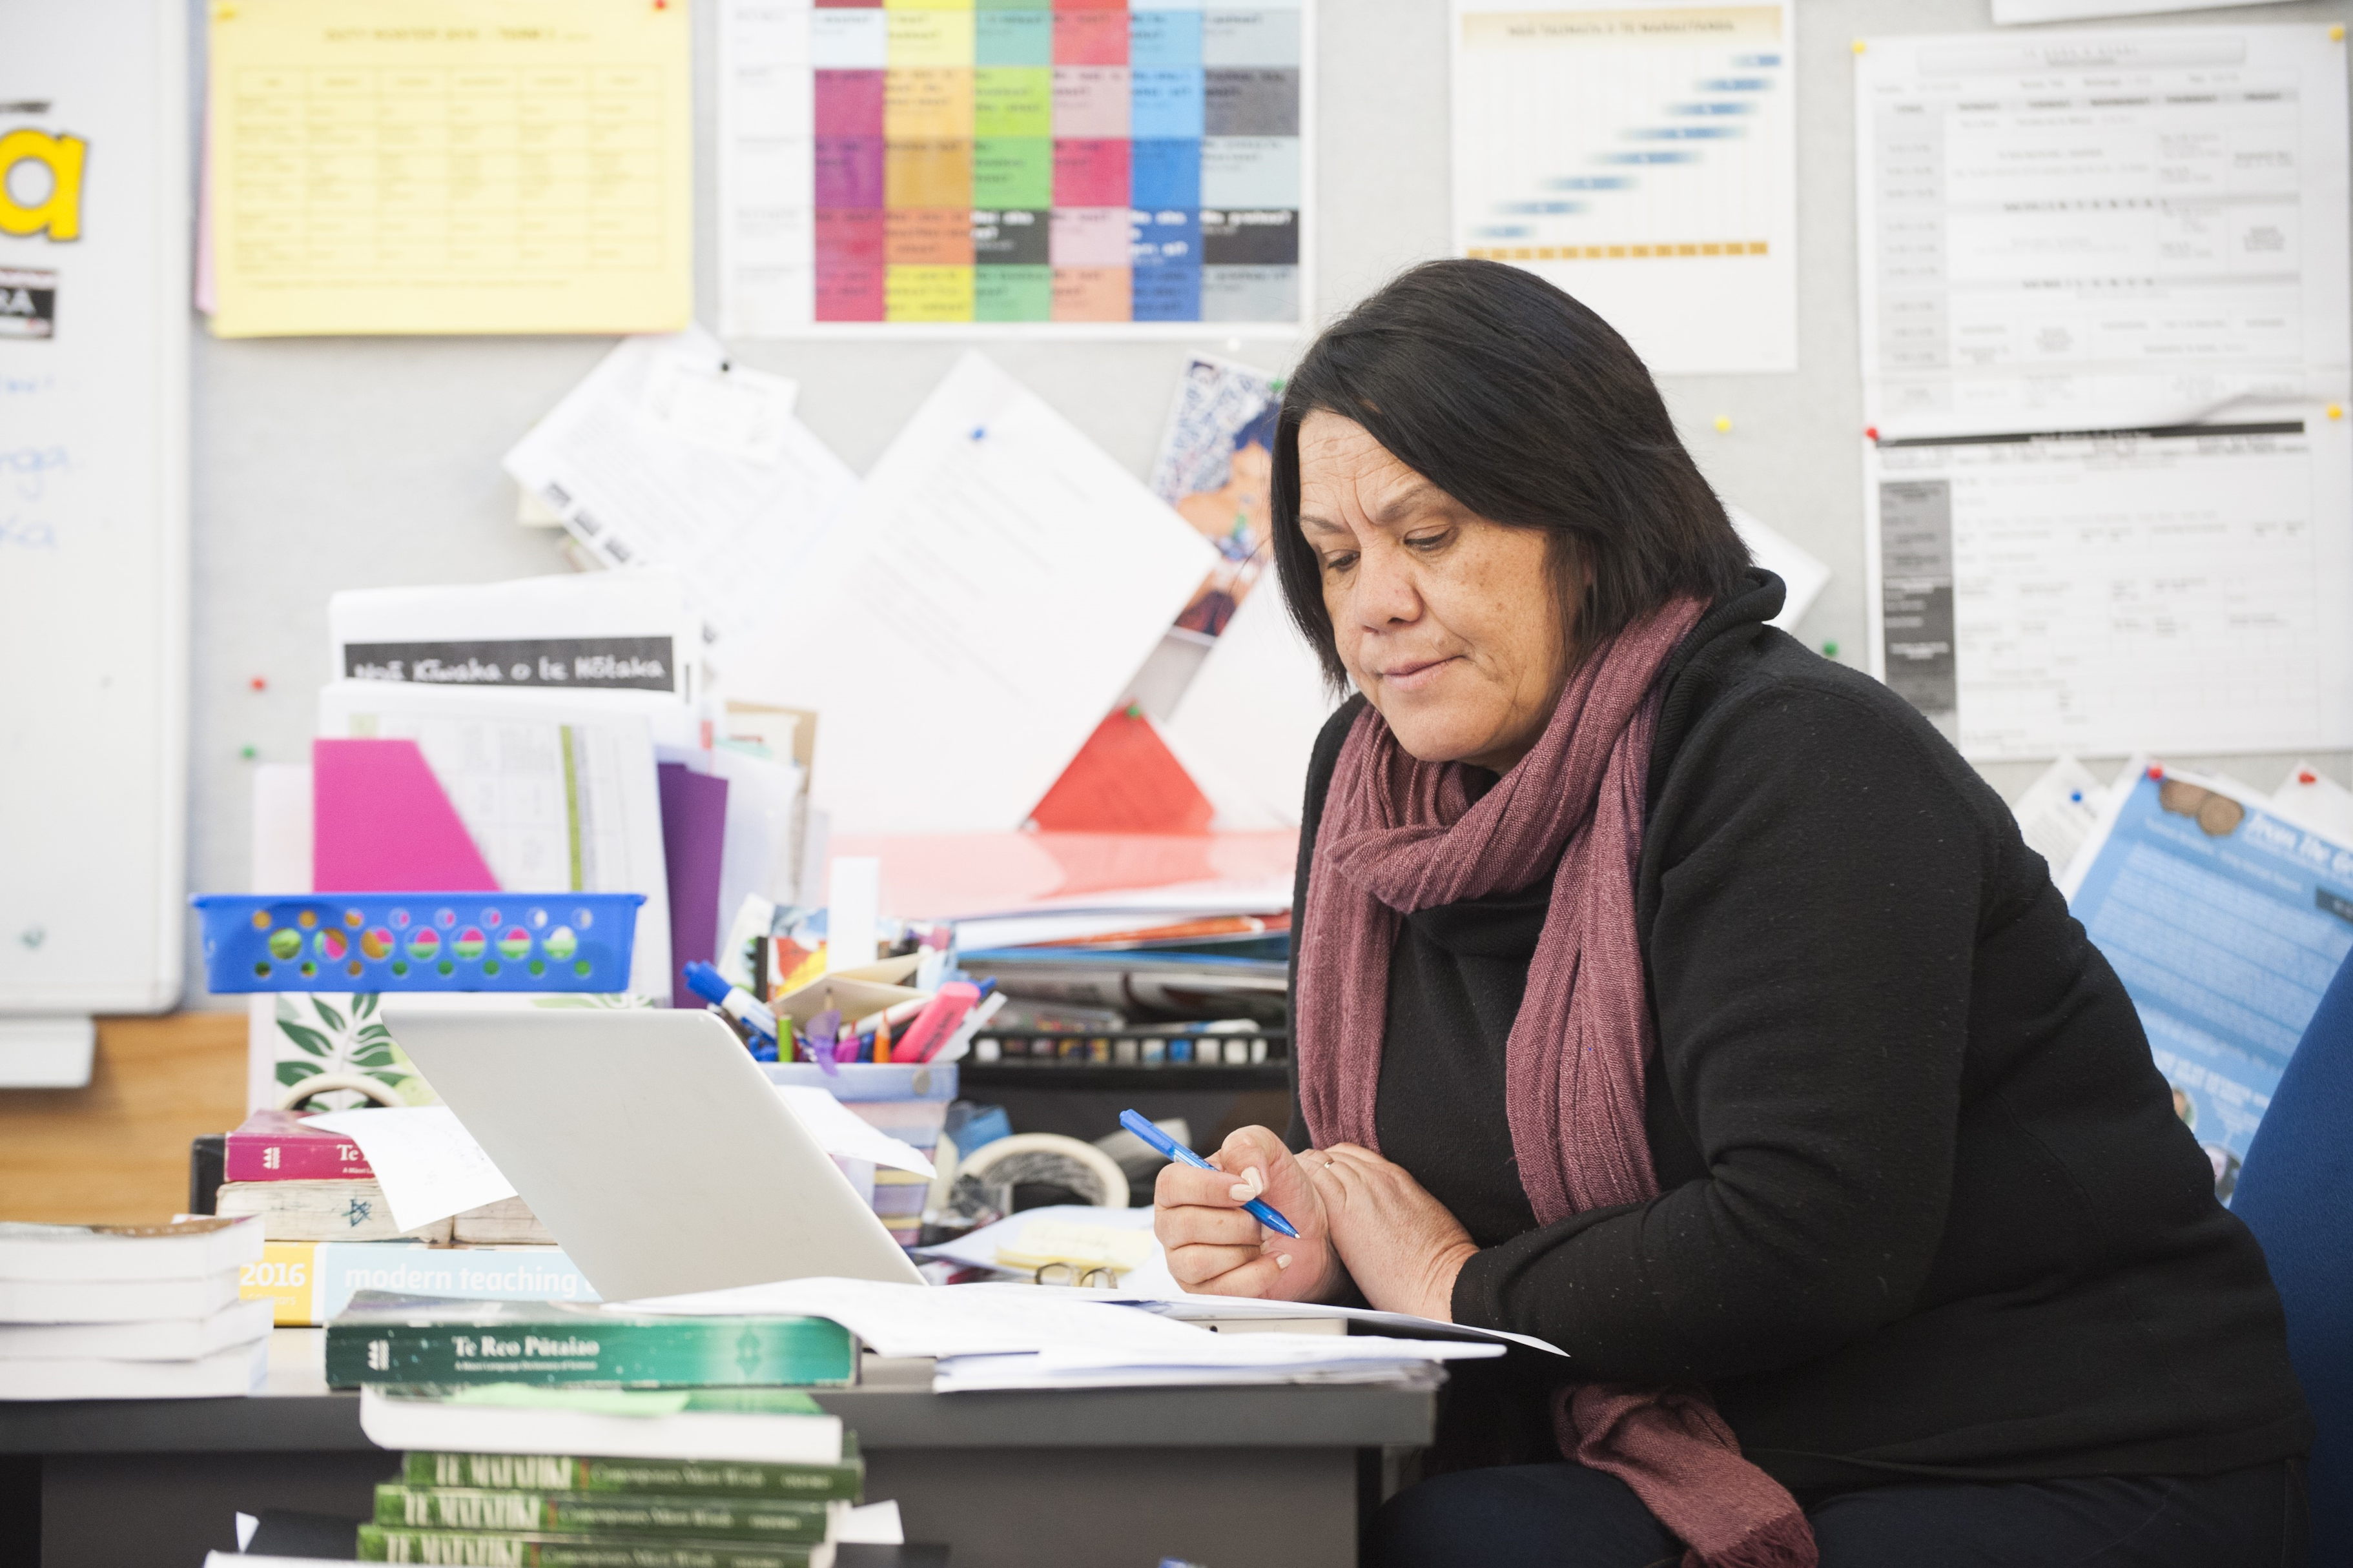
<point>980,163</point>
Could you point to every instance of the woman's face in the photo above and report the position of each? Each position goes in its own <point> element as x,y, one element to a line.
<point>1448,623</point>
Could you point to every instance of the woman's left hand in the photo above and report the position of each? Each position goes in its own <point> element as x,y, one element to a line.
<point>1400,1245</point>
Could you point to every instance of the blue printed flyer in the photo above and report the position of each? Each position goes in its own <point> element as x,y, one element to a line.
<point>2226,920</point>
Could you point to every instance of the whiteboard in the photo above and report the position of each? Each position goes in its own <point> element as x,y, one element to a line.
<point>94,506</point>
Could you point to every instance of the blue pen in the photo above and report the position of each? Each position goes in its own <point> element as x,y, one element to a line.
<point>1257,1208</point>
<point>732,1000</point>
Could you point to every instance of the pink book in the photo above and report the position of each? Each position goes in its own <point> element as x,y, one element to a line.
<point>281,1146</point>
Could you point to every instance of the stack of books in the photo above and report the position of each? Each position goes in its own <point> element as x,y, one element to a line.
<point>701,1478</point>
<point>308,1184</point>
<point>110,1311</point>
<point>330,1232</point>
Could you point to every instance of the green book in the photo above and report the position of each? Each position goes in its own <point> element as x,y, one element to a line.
<point>568,1473</point>
<point>607,1513</point>
<point>524,1548</point>
<point>387,1338</point>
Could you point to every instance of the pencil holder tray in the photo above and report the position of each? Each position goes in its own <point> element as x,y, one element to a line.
<point>418,942</point>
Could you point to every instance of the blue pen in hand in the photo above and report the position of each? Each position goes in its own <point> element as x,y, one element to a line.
<point>1258,1209</point>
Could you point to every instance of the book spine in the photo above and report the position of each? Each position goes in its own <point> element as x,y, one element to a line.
<point>264,1157</point>
<point>685,1352</point>
<point>556,1472</point>
<point>400,1543</point>
<point>599,1513</point>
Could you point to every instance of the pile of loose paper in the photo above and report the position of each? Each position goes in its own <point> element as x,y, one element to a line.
<point>1026,1336</point>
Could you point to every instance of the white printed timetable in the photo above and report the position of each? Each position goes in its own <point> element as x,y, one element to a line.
<point>1641,157</point>
<point>2108,478</point>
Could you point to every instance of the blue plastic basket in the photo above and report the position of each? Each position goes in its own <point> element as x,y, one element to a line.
<point>418,942</point>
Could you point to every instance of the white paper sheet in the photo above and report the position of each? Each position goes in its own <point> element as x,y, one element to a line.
<point>1152,1284</point>
<point>1272,1357</point>
<point>853,911</point>
<point>873,1523</point>
<point>2091,594</point>
<point>973,615</point>
<point>1025,1336</point>
<point>2059,811</point>
<point>2104,327</point>
<point>2316,801</point>
<point>842,1133</point>
<point>613,464</point>
<point>627,631</point>
<point>2093,230</point>
<point>559,794</point>
<point>962,1319</point>
<point>1247,725</point>
<point>756,860</point>
<point>2017,12</point>
<point>1642,155</point>
<point>427,1163</point>
<point>1802,573</point>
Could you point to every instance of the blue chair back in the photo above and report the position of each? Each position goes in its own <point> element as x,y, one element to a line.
<point>2294,1191</point>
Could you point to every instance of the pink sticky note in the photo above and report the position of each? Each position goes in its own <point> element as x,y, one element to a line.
<point>380,823</point>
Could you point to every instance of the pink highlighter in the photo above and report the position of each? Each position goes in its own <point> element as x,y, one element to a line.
<point>936,1022</point>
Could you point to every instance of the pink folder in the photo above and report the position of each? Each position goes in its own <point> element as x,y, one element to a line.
<point>380,823</point>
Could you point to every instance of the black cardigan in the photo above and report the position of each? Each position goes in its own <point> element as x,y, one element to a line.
<point>1925,1206</point>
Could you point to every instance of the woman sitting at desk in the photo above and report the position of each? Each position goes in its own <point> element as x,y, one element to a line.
<point>1682,999</point>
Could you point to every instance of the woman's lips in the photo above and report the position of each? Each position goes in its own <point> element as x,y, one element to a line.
<point>1414,676</point>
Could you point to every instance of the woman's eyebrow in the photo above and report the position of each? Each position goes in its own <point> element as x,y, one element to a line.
<point>1318,524</point>
<point>1413,498</point>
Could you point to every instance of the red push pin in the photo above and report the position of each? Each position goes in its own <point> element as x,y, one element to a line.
<point>260,683</point>
<point>2307,776</point>
<point>1872,431</point>
<point>2155,771</point>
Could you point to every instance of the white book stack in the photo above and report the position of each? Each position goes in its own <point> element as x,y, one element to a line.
<point>112,1311</point>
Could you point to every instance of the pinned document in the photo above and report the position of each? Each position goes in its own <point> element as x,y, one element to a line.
<point>1641,154</point>
<point>449,166</point>
<point>999,571</point>
<point>1246,726</point>
<point>1216,467</point>
<point>2102,328</point>
<point>586,631</point>
<point>1802,573</point>
<point>733,515</point>
<point>2226,921</point>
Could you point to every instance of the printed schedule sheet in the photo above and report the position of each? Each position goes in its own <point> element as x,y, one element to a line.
<point>449,166</point>
<point>2108,478</point>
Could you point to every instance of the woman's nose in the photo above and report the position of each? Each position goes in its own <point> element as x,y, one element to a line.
<point>1385,594</point>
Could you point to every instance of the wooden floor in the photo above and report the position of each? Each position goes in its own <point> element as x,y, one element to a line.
<point>117,1151</point>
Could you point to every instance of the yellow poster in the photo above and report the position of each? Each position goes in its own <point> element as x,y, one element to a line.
<point>451,166</point>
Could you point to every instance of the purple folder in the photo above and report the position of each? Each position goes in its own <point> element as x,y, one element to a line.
<point>694,836</point>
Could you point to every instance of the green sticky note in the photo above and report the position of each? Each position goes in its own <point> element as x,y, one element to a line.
<point>1013,294</point>
<point>1013,172</point>
<point>1023,38</point>
<point>1013,100</point>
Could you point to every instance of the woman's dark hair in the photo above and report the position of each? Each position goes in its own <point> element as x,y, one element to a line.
<point>1528,409</point>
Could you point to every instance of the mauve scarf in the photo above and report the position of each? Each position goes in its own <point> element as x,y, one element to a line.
<point>1398,836</point>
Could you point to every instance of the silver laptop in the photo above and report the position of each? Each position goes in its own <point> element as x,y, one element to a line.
<point>651,1146</point>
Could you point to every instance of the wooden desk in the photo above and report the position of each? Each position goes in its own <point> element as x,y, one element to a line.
<point>1233,1477</point>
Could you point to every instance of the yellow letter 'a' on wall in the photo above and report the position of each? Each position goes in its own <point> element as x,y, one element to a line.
<point>59,211</point>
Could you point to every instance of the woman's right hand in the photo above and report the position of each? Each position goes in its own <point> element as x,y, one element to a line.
<point>1216,1249</point>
